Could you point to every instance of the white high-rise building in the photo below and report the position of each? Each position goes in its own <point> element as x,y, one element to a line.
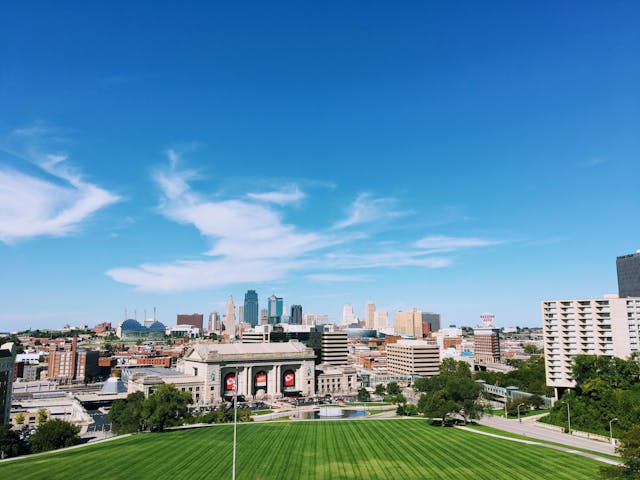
<point>369,315</point>
<point>413,357</point>
<point>597,326</point>
<point>380,320</point>
<point>348,316</point>
<point>315,319</point>
<point>240,314</point>
<point>230,318</point>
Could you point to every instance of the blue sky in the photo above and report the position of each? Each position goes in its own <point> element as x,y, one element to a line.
<point>457,157</point>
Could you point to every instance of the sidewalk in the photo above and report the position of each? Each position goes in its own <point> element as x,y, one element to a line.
<point>546,445</point>
<point>528,428</point>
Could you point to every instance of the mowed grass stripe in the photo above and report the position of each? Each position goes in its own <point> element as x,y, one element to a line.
<point>408,449</point>
<point>359,449</point>
<point>353,435</point>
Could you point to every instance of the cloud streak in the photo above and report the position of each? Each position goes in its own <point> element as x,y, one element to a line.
<point>289,195</point>
<point>53,204</point>
<point>443,243</point>
<point>367,208</point>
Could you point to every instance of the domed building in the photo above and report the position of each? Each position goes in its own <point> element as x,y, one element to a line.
<point>131,329</point>
<point>157,330</point>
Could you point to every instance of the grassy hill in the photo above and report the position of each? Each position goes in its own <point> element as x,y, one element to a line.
<point>369,449</point>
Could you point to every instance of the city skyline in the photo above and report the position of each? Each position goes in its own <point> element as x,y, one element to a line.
<point>407,157</point>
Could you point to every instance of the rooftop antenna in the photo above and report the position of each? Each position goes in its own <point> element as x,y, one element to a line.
<point>145,315</point>
<point>125,313</point>
<point>135,314</point>
<point>154,314</point>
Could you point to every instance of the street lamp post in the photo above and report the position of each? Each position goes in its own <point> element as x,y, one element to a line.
<point>518,407</point>
<point>611,430</point>
<point>235,422</point>
<point>568,416</point>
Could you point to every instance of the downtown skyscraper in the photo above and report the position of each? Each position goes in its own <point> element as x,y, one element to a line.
<point>296,315</point>
<point>369,315</point>
<point>628,267</point>
<point>251,308</point>
<point>275,309</point>
<point>230,318</point>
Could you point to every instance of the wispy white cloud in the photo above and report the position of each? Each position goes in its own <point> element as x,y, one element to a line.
<point>367,208</point>
<point>54,204</point>
<point>285,196</point>
<point>337,277</point>
<point>443,243</point>
<point>193,275</point>
<point>249,240</point>
<point>385,259</point>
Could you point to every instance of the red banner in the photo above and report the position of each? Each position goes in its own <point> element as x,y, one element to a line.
<point>289,378</point>
<point>230,382</point>
<point>261,379</point>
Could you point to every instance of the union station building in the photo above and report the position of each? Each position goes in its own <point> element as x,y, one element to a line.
<point>211,372</point>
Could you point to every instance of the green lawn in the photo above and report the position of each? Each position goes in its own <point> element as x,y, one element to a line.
<point>364,449</point>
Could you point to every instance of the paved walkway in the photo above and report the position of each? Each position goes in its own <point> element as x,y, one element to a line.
<point>528,428</point>
<point>546,445</point>
<point>74,447</point>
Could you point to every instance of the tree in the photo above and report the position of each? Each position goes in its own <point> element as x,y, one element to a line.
<point>54,434</point>
<point>536,401</point>
<point>363,395</point>
<point>435,405</point>
<point>512,406</point>
<point>452,393</point>
<point>10,445</point>
<point>244,415</point>
<point>407,410</point>
<point>42,416</point>
<point>606,388</point>
<point>380,390</point>
<point>420,384</point>
<point>629,450</point>
<point>125,414</point>
<point>166,407</point>
<point>393,388</point>
<point>454,368</point>
<point>531,349</point>
<point>396,399</point>
<point>20,418</point>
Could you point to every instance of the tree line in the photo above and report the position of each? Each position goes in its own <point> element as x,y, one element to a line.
<point>606,388</point>
<point>165,407</point>
<point>50,435</point>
